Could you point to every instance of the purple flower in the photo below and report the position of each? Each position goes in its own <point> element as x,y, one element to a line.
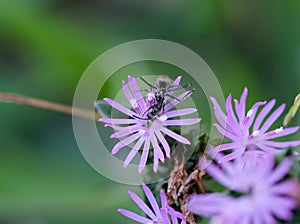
<point>142,131</point>
<point>249,132</point>
<point>264,196</point>
<point>156,214</point>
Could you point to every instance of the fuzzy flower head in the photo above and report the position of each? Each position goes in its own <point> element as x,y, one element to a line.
<point>143,132</point>
<point>156,214</point>
<point>264,196</point>
<point>249,132</point>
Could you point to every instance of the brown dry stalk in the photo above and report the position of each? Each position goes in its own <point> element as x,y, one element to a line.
<point>47,105</point>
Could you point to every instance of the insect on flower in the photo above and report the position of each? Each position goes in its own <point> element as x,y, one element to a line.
<point>159,94</point>
<point>144,133</point>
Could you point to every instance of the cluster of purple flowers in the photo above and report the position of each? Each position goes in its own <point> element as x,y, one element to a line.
<point>245,164</point>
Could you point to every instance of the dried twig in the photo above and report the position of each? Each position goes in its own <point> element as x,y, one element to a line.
<point>47,105</point>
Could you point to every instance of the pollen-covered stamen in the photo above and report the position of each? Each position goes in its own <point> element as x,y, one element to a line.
<point>274,132</point>
<point>135,106</point>
<point>253,135</point>
<point>150,98</point>
<point>249,114</point>
<point>162,118</point>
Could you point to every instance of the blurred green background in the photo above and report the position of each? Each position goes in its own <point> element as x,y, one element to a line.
<point>45,46</point>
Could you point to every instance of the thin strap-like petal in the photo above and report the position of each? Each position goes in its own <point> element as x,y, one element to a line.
<point>273,117</point>
<point>281,170</point>
<point>282,144</point>
<point>133,216</point>
<point>136,92</point>
<point>144,155</point>
<point>263,113</point>
<point>227,133</point>
<point>164,143</point>
<point>236,153</point>
<point>125,142</point>
<point>284,132</point>
<point>175,136</point>
<point>118,121</point>
<point>174,102</point>
<point>243,102</point>
<point>126,131</point>
<point>133,152</point>
<point>180,112</point>
<point>126,91</point>
<point>182,122</point>
<point>219,114</point>
<point>175,83</point>
<point>139,202</point>
<point>151,199</point>
<point>120,107</point>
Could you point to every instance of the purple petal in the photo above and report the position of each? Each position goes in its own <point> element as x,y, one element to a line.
<point>273,117</point>
<point>263,113</point>
<point>219,175</point>
<point>139,202</point>
<point>127,131</point>
<point>281,170</point>
<point>133,152</point>
<point>158,154</point>
<point>164,216</point>
<point>227,146</point>
<point>285,188</point>
<point>282,208</point>
<point>151,199</point>
<point>175,83</point>
<point>182,122</point>
<point>174,102</point>
<point>231,118</point>
<point>164,143</point>
<point>118,121</point>
<point>124,142</point>
<point>175,136</point>
<point>235,154</point>
<point>227,133</point>
<point>181,112</point>
<point>269,149</point>
<point>119,107</point>
<point>208,204</point>
<point>243,101</point>
<point>134,216</point>
<point>282,144</point>
<point>144,155</point>
<point>284,132</point>
<point>163,199</point>
<point>126,91</point>
<point>136,92</point>
<point>254,109</point>
<point>220,116</point>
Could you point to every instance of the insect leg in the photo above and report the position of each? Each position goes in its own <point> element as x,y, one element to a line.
<point>173,97</point>
<point>149,84</point>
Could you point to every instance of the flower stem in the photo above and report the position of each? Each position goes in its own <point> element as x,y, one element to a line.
<point>47,105</point>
